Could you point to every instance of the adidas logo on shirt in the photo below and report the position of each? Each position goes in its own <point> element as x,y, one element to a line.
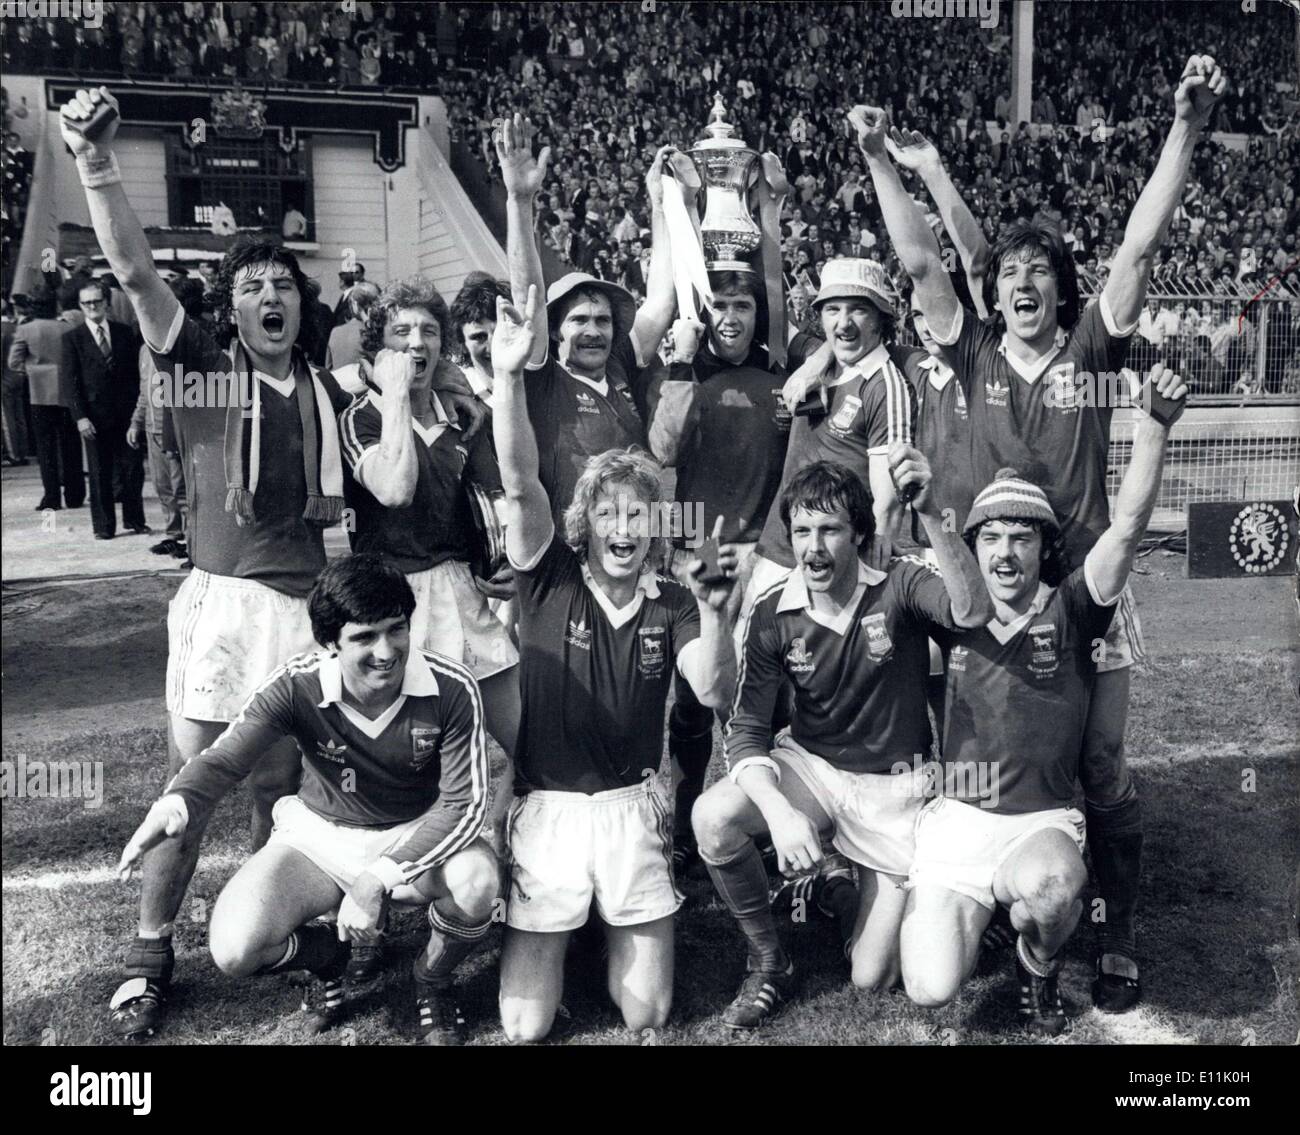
<point>799,658</point>
<point>586,403</point>
<point>578,634</point>
<point>995,392</point>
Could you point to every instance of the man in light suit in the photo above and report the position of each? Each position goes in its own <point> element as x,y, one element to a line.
<point>102,363</point>
<point>38,351</point>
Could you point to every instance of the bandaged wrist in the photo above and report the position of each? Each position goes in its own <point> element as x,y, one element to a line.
<point>97,171</point>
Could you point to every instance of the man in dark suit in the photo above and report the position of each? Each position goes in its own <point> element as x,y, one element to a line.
<point>102,361</point>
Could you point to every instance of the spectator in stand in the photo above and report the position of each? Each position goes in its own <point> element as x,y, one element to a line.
<point>473,319</point>
<point>14,405</point>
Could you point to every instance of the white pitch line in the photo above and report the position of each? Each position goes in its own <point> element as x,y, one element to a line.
<point>98,876</point>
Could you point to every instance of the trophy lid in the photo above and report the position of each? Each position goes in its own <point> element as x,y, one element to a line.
<point>722,134</point>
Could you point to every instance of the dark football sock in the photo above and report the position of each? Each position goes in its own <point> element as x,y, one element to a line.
<point>691,750</point>
<point>741,883</point>
<point>151,958</point>
<point>450,943</point>
<point>316,949</point>
<point>1115,835</point>
<point>839,899</point>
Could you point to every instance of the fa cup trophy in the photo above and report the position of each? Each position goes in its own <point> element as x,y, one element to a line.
<point>726,166</point>
<point>736,227</point>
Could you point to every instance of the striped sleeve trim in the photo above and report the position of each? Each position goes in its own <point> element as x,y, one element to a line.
<point>898,404</point>
<point>740,676</point>
<point>470,824</point>
<point>353,449</point>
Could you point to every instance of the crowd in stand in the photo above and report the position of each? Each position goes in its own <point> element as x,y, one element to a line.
<point>16,167</point>
<point>608,84</point>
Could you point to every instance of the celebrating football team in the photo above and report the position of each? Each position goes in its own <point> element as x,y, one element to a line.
<point>902,594</point>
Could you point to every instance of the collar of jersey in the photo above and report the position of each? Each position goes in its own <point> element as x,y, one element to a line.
<point>417,682</point>
<point>1005,632</point>
<point>795,597</point>
<point>282,386</point>
<point>874,360</point>
<point>1032,372</point>
<point>940,373</point>
<point>647,584</point>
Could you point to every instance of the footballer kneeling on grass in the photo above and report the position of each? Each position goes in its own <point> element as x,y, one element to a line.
<point>1017,706</point>
<point>600,637</point>
<point>852,641</point>
<point>393,798</point>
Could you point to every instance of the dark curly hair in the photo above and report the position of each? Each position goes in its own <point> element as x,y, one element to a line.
<point>1025,239</point>
<point>825,486</point>
<point>413,292</point>
<point>476,302</point>
<point>251,250</point>
<point>1055,565</point>
<point>365,588</point>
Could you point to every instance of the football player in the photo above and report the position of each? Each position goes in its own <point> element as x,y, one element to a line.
<point>593,343</point>
<point>258,438</point>
<point>601,636</point>
<point>1039,392</point>
<point>1018,694</point>
<point>393,798</point>
<point>852,641</point>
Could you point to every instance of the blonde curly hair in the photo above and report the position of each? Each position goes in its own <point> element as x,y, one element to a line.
<point>631,467</point>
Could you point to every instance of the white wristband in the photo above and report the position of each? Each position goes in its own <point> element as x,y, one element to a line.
<point>96,172</point>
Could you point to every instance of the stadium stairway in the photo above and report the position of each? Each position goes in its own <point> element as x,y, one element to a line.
<point>414,220</point>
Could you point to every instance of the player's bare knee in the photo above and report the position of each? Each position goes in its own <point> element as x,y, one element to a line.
<point>234,953</point>
<point>930,989</point>
<point>474,880</point>
<point>522,1024</point>
<point>1054,894</point>
<point>875,975</point>
<point>715,821</point>
<point>647,1015</point>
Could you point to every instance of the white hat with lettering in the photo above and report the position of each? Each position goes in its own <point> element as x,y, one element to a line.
<point>854,277</point>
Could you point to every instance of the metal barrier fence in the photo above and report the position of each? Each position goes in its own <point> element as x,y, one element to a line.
<point>1239,346</point>
<point>1215,454</point>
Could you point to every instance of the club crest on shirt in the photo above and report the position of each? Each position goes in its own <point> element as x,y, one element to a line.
<point>586,403</point>
<point>1064,392</point>
<point>578,634</point>
<point>842,422</point>
<point>798,658</point>
<point>957,659</point>
<point>1043,659</point>
<point>879,645</point>
<point>327,750</point>
<point>995,392</point>
<point>652,654</point>
<point>424,744</point>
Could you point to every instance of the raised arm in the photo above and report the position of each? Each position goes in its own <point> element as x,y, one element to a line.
<point>654,316</point>
<point>523,176</point>
<point>913,150</point>
<point>672,399</point>
<point>968,597</point>
<point>1112,555</point>
<point>389,471</point>
<point>527,509</point>
<point>116,226</point>
<point>913,241</point>
<point>1202,85</point>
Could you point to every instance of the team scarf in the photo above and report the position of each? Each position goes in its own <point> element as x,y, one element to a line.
<point>322,466</point>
